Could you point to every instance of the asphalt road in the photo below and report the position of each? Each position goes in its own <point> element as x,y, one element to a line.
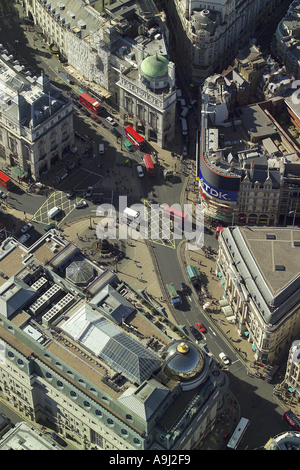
<point>266,418</point>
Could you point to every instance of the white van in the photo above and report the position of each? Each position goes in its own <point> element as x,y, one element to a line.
<point>184,126</point>
<point>101,148</point>
<point>131,215</point>
<point>53,212</point>
<point>140,171</point>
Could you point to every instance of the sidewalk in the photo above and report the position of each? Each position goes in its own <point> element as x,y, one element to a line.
<point>206,264</point>
<point>137,268</point>
<point>227,420</point>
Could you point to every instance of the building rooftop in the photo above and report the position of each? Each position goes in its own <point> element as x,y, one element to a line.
<point>257,122</point>
<point>25,437</point>
<point>154,67</point>
<point>89,339</point>
<point>106,351</point>
<point>267,260</point>
<point>31,101</point>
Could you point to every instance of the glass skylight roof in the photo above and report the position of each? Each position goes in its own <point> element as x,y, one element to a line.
<point>106,340</point>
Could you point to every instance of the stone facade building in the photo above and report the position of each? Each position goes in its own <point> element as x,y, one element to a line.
<point>104,47</point>
<point>77,348</point>
<point>36,126</point>
<point>261,283</point>
<point>148,98</point>
<point>208,35</point>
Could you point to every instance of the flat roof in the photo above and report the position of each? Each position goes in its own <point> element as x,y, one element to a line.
<point>257,122</point>
<point>271,247</point>
<point>25,437</point>
<point>268,260</point>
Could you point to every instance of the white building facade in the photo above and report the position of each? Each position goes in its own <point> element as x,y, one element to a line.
<point>261,286</point>
<point>209,35</point>
<point>148,98</point>
<point>36,127</point>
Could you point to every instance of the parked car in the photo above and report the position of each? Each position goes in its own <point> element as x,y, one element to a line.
<point>58,439</point>
<point>110,120</point>
<point>71,165</point>
<point>115,132</point>
<point>200,326</point>
<point>80,205</point>
<point>184,151</point>
<point>24,238</point>
<point>89,191</point>
<point>3,195</point>
<point>26,228</point>
<point>224,358</point>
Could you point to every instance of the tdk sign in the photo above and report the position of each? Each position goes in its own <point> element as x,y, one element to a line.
<point>213,192</point>
<point>222,195</point>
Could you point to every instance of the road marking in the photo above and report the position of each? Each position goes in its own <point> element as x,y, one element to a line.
<point>57,198</point>
<point>97,174</point>
<point>212,331</point>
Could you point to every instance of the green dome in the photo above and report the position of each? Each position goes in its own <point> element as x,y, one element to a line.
<point>154,67</point>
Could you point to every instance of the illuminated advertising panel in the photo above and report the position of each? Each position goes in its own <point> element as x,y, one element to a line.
<point>220,187</point>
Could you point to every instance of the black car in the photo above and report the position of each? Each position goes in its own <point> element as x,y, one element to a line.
<point>115,132</point>
<point>71,194</point>
<point>58,439</point>
<point>255,402</point>
<point>195,333</point>
<point>183,288</point>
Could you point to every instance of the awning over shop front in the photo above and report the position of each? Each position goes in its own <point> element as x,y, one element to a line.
<point>228,312</point>
<point>223,302</point>
<point>216,216</point>
<point>18,172</point>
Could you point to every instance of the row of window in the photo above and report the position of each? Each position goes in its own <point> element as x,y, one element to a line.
<point>87,405</point>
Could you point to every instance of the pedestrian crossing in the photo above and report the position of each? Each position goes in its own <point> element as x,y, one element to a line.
<point>159,230</point>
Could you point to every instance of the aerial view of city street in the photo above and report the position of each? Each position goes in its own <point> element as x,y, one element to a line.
<point>149,226</point>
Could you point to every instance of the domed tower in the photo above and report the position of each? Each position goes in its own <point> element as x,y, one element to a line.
<point>148,97</point>
<point>185,362</point>
<point>155,69</point>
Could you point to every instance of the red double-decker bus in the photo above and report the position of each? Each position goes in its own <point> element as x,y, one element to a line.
<point>5,181</point>
<point>135,138</point>
<point>90,103</point>
<point>217,232</point>
<point>292,419</point>
<point>149,164</point>
<point>175,214</point>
